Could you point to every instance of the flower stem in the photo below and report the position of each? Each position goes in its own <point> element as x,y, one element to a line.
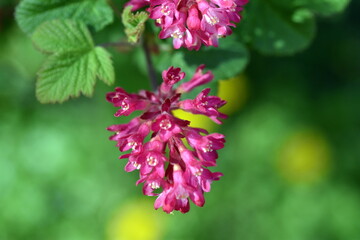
<point>149,64</point>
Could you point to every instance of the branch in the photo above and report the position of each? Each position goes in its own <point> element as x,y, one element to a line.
<point>123,44</point>
<point>149,64</point>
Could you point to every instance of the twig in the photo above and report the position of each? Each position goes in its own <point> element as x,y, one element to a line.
<point>116,44</point>
<point>149,64</point>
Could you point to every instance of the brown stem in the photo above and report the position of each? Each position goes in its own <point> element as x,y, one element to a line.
<point>149,64</point>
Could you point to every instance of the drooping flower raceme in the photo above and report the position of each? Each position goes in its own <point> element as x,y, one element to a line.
<point>172,157</point>
<point>192,23</point>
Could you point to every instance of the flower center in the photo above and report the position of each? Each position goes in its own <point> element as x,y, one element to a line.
<point>165,10</point>
<point>124,105</point>
<point>137,165</point>
<point>133,145</point>
<point>204,103</point>
<point>177,34</point>
<point>208,147</point>
<point>165,124</point>
<point>154,185</point>
<point>152,161</point>
<point>199,172</point>
<point>210,19</point>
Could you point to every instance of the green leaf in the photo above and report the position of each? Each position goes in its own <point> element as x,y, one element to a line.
<point>134,24</point>
<point>277,27</point>
<point>105,69</point>
<point>64,76</point>
<point>324,7</point>
<point>74,63</point>
<point>62,36</point>
<point>32,13</point>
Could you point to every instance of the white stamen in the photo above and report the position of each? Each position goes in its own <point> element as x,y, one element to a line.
<point>208,147</point>
<point>199,172</point>
<point>137,165</point>
<point>152,161</point>
<point>165,10</point>
<point>165,124</point>
<point>154,185</point>
<point>212,20</point>
<point>124,105</point>
<point>177,34</point>
<point>204,103</point>
<point>133,145</point>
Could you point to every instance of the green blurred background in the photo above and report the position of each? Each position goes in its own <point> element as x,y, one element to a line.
<point>291,162</point>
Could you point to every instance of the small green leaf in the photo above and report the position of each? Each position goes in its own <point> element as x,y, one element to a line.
<point>134,24</point>
<point>32,13</point>
<point>74,63</point>
<point>277,27</point>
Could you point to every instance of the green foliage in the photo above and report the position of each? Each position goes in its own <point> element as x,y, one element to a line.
<point>272,27</point>
<point>74,62</point>
<point>134,24</point>
<point>6,2</point>
<point>62,36</point>
<point>32,13</point>
<point>226,61</point>
<point>275,28</point>
<point>324,7</point>
<point>282,27</point>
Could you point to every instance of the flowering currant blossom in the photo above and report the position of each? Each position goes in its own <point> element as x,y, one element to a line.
<point>169,168</point>
<point>193,22</point>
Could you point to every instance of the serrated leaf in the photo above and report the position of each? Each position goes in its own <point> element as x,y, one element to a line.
<point>277,27</point>
<point>32,13</point>
<point>74,63</point>
<point>105,69</point>
<point>134,24</point>
<point>62,36</point>
<point>65,75</point>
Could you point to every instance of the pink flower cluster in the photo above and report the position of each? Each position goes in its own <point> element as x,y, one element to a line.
<point>157,140</point>
<point>193,22</point>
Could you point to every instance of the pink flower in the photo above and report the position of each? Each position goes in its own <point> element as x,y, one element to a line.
<point>204,104</point>
<point>198,79</point>
<point>176,195</point>
<point>154,141</point>
<point>193,23</point>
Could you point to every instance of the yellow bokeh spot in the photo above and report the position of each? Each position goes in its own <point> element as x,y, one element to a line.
<point>196,120</point>
<point>136,220</point>
<point>235,92</point>
<point>305,157</point>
